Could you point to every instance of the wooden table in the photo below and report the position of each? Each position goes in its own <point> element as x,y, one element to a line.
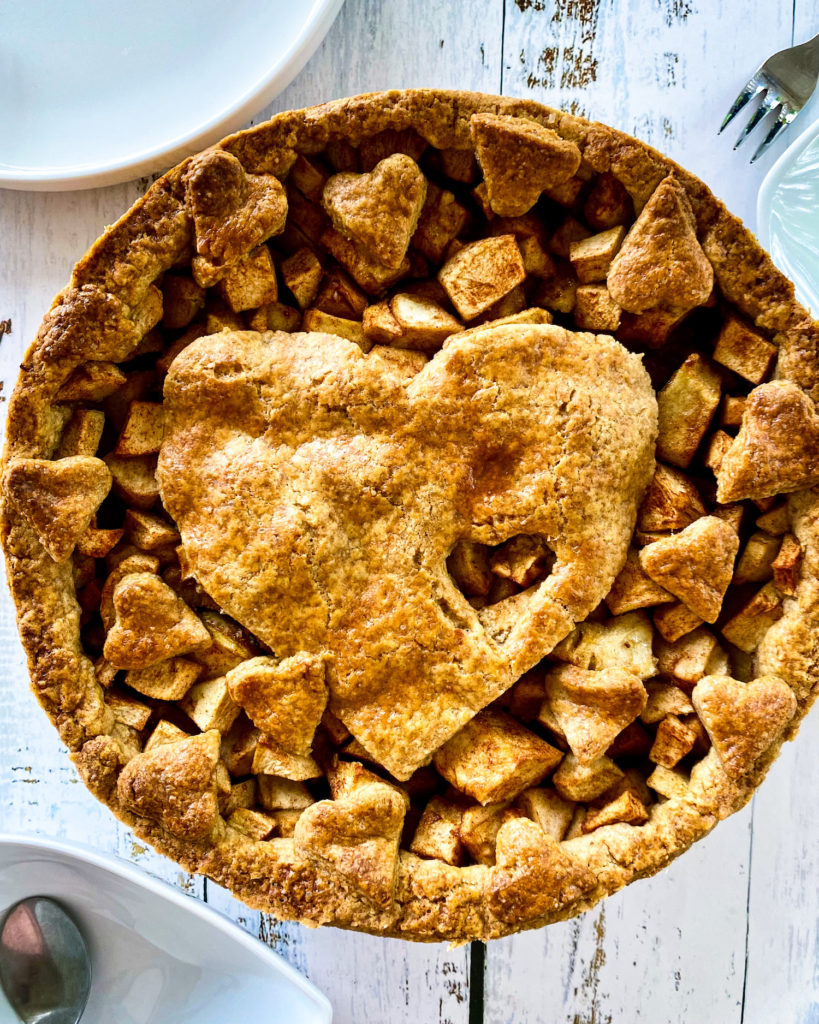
<point>729,933</point>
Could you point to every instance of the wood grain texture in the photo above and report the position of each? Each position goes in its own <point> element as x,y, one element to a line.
<point>663,70</point>
<point>728,933</point>
<point>401,44</point>
<point>709,937</point>
<point>650,952</point>
<point>782,969</point>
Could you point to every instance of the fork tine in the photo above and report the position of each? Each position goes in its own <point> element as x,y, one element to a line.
<point>765,107</point>
<point>752,88</point>
<point>785,117</point>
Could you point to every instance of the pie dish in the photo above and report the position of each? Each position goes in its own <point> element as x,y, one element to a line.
<point>408,508</point>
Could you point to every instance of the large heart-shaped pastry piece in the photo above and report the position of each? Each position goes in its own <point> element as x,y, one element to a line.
<point>319,493</point>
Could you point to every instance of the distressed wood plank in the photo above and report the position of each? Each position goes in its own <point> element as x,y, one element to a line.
<point>383,981</point>
<point>664,70</point>
<point>782,971</point>
<point>670,947</point>
<point>398,44</point>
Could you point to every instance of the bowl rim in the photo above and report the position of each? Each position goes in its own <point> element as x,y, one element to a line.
<point>773,179</point>
<point>117,866</point>
<point>162,155</point>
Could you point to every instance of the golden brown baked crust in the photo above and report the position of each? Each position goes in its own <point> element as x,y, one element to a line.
<point>380,210</point>
<point>519,159</point>
<point>661,263</point>
<point>775,449</point>
<point>212,210</point>
<point>413,661</point>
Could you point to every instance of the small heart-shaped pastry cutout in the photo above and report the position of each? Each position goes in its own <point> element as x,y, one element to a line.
<point>319,495</point>
<point>59,499</point>
<point>379,210</point>
<point>695,565</point>
<point>519,159</point>
<point>175,785</point>
<point>233,211</point>
<point>151,623</point>
<point>284,699</point>
<point>534,875</point>
<point>777,448</point>
<point>661,262</point>
<point>357,836</point>
<point>743,719</point>
<point>592,708</point>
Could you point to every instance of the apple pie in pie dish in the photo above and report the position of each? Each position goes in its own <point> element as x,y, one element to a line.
<point>409,511</point>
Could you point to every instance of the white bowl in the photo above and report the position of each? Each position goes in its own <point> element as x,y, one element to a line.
<point>100,91</point>
<point>788,215</point>
<point>158,956</point>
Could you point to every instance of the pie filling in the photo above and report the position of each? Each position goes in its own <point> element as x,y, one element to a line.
<point>369,542</point>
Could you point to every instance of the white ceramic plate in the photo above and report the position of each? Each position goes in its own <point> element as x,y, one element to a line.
<point>93,92</point>
<point>788,215</point>
<point>158,956</point>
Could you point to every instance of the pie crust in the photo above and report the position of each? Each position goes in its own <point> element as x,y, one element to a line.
<point>399,456</point>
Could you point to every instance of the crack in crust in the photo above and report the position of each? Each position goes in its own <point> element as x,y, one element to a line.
<point>111,289</point>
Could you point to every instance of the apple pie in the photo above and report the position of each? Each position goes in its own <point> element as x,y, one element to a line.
<point>410,511</point>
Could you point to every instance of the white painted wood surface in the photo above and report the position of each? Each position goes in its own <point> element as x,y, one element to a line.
<point>729,933</point>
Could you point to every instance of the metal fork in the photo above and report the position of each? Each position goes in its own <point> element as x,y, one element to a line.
<point>785,82</point>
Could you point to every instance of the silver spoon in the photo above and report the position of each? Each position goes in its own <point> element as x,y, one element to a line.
<point>45,970</point>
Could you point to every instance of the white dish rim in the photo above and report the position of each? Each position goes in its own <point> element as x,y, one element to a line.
<point>773,179</point>
<point>114,865</point>
<point>166,154</point>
